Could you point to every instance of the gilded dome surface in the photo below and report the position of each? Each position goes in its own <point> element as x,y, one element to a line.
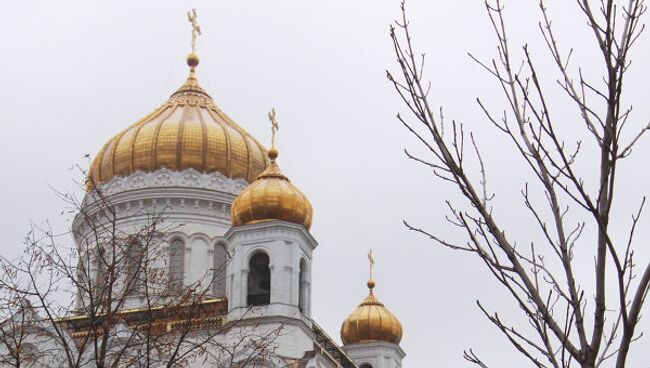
<point>371,321</point>
<point>271,196</point>
<point>187,131</point>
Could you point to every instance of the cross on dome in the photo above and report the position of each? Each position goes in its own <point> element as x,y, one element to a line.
<point>188,131</point>
<point>274,126</point>
<point>196,29</point>
<point>271,196</point>
<point>371,261</point>
<point>371,321</point>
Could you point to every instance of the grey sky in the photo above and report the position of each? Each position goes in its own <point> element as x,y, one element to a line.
<point>74,73</point>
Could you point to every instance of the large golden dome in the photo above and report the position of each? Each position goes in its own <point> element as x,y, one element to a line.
<point>271,197</point>
<point>371,321</point>
<point>187,131</point>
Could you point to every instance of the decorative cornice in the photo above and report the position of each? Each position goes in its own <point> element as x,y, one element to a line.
<point>184,196</point>
<point>208,313</point>
<point>264,231</point>
<point>165,178</point>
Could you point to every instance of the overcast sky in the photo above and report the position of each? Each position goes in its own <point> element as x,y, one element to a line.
<point>74,73</point>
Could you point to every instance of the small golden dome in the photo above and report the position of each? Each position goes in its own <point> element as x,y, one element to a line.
<point>187,131</point>
<point>370,322</point>
<point>271,197</point>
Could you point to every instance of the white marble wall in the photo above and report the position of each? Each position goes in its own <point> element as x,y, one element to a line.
<point>194,207</point>
<point>378,354</point>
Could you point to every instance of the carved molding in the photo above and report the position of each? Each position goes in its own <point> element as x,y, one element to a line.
<point>164,177</point>
<point>187,196</point>
<point>272,230</point>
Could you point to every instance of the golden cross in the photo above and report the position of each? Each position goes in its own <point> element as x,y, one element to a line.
<point>372,262</point>
<point>274,126</point>
<point>196,29</point>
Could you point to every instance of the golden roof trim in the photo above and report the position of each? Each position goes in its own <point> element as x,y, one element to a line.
<point>129,311</point>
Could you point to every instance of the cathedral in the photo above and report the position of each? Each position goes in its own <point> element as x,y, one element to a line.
<point>236,249</point>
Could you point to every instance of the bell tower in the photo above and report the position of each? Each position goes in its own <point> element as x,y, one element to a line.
<point>270,270</point>
<point>269,274</point>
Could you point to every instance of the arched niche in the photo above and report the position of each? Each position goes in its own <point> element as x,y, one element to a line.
<point>176,264</point>
<point>219,268</point>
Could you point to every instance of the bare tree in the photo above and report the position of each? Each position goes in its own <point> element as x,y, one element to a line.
<point>110,300</point>
<point>567,325</point>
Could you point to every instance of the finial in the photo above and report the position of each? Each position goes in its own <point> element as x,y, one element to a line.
<point>371,260</point>
<point>273,152</point>
<point>196,29</point>
<point>193,58</point>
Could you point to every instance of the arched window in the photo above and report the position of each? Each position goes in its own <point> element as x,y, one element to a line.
<point>259,280</point>
<point>220,262</point>
<point>134,266</point>
<point>100,261</point>
<point>176,264</point>
<point>302,286</point>
<point>365,365</point>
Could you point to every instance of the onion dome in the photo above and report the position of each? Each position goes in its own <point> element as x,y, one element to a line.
<point>271,197</point>
<point>187,131</point>
<point>371,322</point>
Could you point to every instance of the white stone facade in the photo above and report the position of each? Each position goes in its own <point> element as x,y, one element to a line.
<point>196,212</point>
<point>288,246</point>
<point>194,207</point>
<point>376,354</point>
<point>199,247</point>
